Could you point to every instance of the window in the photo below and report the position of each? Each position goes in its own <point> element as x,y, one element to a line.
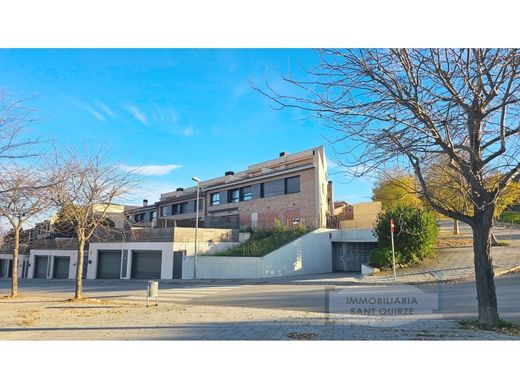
<point>233,196</point>
<point>152,215</point>
<point>274,188</point>
<point>164,211</point>
<point>215,198</point>
<point>183,208</point>
<point>139,217</point>
<point>292,185</point>
<point>175,209</point>
<point>245,193</point>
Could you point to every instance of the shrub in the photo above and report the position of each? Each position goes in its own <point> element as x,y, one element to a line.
<point>382,258</point>
<point>415,233</point>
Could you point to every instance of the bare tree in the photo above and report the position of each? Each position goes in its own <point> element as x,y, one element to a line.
<point>87,191</point>
<point>15,116</point>
<point>407,107</point>
<point>24,194</point>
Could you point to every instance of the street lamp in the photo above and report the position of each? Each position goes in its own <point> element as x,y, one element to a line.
<point>196,180</point>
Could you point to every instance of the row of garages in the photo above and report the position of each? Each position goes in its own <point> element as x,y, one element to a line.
<point>137,260</point>
<point>105,264</point>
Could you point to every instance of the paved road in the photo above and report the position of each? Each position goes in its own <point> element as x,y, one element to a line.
<point>501,230</point>
<point>456,300</point>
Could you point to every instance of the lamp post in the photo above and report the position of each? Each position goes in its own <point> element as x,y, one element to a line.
<point>196,180</point>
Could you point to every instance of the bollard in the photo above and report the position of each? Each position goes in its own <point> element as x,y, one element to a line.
<point>152,292</point>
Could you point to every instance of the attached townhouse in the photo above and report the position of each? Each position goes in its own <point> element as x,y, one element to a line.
<point>292,188</point>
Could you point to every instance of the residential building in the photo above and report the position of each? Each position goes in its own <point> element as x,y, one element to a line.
<point>291,188</point>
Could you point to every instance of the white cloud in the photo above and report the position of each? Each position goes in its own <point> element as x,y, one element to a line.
<point>86,107</point>
<point>165,115</point>
<point>103,107</point>
<point>137,114</point>
<point>150,170</point>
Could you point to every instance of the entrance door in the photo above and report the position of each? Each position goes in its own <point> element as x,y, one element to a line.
<point>177,264</point>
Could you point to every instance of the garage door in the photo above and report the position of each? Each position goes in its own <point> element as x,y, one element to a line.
<point>146,264</point>
<point>40,270</point>
<point>348,256</point>
<point>3,268</point>
<point>109,265</point>
<point>61,267</point>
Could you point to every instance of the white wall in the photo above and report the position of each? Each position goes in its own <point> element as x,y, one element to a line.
<point>167,249</point>
<point>353,235</point>
<point>21,260</point>
<point>311,253</point>
<point>72,254</point>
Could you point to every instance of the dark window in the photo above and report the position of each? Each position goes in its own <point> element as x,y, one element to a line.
<point>292,185</point>
<point>175,209</point>
<point>215,198</point>
<point>183,208</point>
<point>245,193</point>
<point>164,211</point>
<point>233,196</point>
<point>274,188</point>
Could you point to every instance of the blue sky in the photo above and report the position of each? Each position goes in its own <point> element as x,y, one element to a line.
<point>174,113</point>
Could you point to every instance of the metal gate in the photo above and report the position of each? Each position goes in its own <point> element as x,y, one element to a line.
<point>348,256</point>
<point>40,267</point>
<point>61,267</point>
<point>177,264</point>
<point>146,264</point>
<point>109,265</point>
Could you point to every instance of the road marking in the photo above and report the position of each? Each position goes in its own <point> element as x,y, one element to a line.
<point>174,295</point>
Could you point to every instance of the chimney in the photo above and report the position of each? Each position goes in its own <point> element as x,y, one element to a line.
<point>145,202</point>
<point>179,189</point>
<point>283,154</point>
<point>229,173</point>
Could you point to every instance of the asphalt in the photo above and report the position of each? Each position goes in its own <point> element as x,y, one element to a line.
<point>455,300</point>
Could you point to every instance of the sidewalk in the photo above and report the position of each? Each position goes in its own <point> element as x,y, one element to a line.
<point>451,264</point>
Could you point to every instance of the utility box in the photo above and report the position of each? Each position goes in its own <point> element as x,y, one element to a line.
<point>152,292</point>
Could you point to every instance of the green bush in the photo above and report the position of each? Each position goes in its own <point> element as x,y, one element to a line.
<point>264,241</point>
<point>415,235</point>
<point>382,258</point>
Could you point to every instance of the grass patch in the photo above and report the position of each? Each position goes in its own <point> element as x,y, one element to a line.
<point>266,241</point>
<point>505,327</point>
<point>510,217</point>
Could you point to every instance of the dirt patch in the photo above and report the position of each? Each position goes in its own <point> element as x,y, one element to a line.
<point>453,241</point>
<point>91,301</point>
<point>28,316</point>
<point>504,327</point>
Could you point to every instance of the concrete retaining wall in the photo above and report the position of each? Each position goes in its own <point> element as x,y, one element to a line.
<point>309,254</point>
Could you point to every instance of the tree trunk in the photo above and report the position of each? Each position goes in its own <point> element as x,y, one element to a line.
<point>14,265</point>
<point>456,229</point>
<point>486,293</point>
<point>79,269</point>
